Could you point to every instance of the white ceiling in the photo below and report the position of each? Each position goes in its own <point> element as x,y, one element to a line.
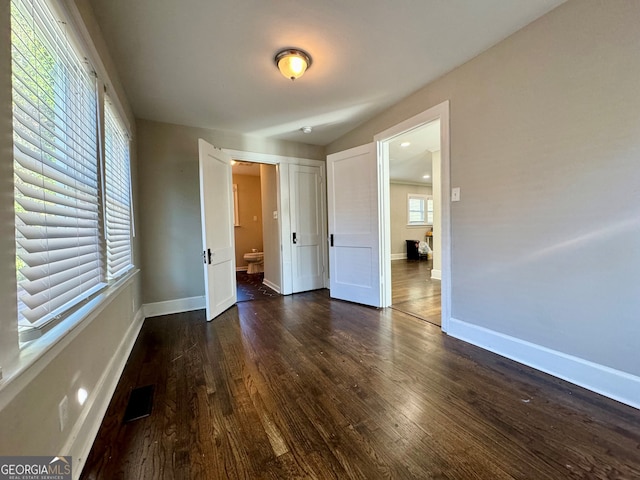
<point>210,63</point>
<point>410,163</point>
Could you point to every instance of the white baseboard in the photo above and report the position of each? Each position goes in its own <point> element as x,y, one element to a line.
<point>242,269</point>
<point>271,285</point>
<point>84,432</point>
<point>612,383</point>
<point>174,306</point>
<point>398,256</point>
<point>436,274</point>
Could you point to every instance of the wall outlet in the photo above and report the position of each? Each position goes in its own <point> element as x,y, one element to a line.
<point>63,412</point>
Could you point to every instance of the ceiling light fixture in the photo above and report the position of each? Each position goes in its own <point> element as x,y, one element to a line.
<point>306,129</point>
<point>292,62</point>
<point>426,176</point>
<point>405,144</point>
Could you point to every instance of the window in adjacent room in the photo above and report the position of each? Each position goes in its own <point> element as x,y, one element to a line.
<point>419,209</point>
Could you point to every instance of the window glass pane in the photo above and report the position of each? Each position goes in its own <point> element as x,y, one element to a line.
<point>58,252</point>
<point>416,208</point>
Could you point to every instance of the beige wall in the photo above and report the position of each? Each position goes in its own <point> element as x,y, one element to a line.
<point>248,235</point>
<point>88,357</point>
<point>400,232</point>
<point>270,226</point>
<point>545,148</point>
<point>170,200</point>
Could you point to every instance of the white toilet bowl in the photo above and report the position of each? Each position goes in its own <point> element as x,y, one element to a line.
<point>255,261</point>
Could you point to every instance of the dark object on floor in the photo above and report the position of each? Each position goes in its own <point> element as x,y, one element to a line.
<point>140,404</point>
<point>250,287</point>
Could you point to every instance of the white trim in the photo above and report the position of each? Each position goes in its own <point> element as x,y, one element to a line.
<point>398,256</point>
<point>85,430</point>
<point>270,158</point>
<point>173,306</point>
<point>612,383</point>
<point>41,352</point>
<point>441,112</point>
<point>271,285</point>
<point>72,14</point>
<point>436,274</point>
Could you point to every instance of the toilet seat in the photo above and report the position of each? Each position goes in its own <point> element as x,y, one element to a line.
<point>254,256</point>
<point>255,261</point>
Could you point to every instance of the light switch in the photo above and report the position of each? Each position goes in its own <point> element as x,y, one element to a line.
<point>455,194</point>
<point>255,218</point>
<point>275,214</point>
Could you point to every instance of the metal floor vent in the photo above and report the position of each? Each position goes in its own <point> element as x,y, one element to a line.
<point>140,404</point>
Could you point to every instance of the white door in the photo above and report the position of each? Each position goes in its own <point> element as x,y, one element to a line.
<point>216,209</point>
<point>354,237</point>
<point>307,249</point>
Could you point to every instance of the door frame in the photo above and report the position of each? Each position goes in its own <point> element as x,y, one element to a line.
<point>284,219</point>
<point>438,112</point>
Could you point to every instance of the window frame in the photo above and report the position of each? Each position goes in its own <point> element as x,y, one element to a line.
<point>63,322</point>
<point>426,212</point>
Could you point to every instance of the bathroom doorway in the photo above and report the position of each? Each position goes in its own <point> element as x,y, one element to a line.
<point>255,233</point>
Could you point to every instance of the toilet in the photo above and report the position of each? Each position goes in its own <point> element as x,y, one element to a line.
<point>255,261</point>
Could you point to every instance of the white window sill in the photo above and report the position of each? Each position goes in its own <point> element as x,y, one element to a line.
<point>39,353</point>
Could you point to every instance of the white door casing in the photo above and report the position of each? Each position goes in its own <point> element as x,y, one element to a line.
<point>307,227</point>
<point>354,219</point>
<point>437,112</point>
<point>216,209</point>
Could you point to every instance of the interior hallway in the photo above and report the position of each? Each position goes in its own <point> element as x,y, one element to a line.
<point>414,292</point>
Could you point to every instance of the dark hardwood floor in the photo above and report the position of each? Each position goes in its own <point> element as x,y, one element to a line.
<point>414,292</point>
<point>307,387</point>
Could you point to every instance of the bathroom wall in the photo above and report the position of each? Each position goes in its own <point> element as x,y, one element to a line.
<point>270,226</point>
<point>248,234</point>
<point>398,208</point>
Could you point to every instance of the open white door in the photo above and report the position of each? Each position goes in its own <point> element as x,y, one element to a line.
<point>216,207</point>
<point>354,237</point>
<point>307,220</point>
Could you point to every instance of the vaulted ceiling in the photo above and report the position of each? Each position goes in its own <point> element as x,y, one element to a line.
<point>210,63</point>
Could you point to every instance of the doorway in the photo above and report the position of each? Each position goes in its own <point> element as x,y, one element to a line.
<point>254,189</point>
<point>439,270</point>
<point>295,247</point>
<point>415,221</point>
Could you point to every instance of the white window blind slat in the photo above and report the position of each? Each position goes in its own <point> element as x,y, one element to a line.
<point>117,195</point>
<point>58,235</point>
<point>36,165</point>
<point>43,258</point>
<point>50,268</point>
<point>60,298</point>
<point>33,206</point>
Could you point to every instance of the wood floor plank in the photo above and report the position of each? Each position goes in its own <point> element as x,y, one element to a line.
<point>306,387</point>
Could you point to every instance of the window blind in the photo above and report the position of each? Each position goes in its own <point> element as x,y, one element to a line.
<point>117,194</point>
<point>58,234</point>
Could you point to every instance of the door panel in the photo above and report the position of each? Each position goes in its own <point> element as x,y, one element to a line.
<point>354,255</point>
<point>305,184</point>
<point>216,208</point>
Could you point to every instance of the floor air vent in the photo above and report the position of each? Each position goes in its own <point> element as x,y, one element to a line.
<point>140,404</point>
